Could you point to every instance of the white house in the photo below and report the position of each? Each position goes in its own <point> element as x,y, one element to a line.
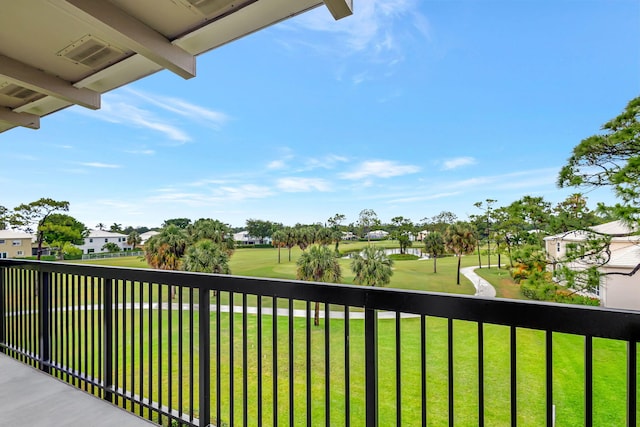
<point>147,235</point>
<point>243,238</point>
<point>96,240</point>
<point>376,234</point>
<point>620,282</point>
<point>14,244</point>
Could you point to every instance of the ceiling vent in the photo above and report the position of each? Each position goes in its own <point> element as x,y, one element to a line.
<point>20,93</point>
<point>91,52</point>
<point>210,8</point>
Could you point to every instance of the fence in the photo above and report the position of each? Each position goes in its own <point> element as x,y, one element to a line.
<point>112,254</point>
<point>193,349</point>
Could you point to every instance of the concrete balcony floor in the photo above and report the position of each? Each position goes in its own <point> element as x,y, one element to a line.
<point>29,397</point>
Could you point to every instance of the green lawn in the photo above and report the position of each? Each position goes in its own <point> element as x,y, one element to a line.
<point>609,358</point>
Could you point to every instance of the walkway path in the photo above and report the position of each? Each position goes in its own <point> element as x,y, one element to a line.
<point>483,288</point>
<point>29,397</point>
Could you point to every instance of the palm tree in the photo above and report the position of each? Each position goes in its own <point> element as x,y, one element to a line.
<point>372,267</point>
<point>100,226</point>
<point>279,239</point>
<point>164,250</point>
<point>134,239</point>
<point>206,257</point>
<point>214,230</point>
<point>434,246</point>
<point>290,240</point>
<point>460,240</point>
<point>318,264</point>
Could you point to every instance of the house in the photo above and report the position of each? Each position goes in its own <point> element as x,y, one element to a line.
<point>14,244</point>
<point>348,235</point>
<point>376,234</point>
<point>96,240</point>
<point>422,235</point>
<point>620,283</point>
<point>243,238</point>
<point>147,235</point>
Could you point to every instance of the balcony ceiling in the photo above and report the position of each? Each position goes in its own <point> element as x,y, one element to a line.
<point>57,53</point>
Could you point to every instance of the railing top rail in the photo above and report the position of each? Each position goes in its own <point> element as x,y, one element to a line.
<point>563,318</point>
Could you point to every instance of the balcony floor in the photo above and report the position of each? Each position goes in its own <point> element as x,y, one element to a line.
<point>29,397</point>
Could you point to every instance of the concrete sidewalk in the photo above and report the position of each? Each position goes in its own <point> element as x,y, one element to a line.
<point>29,397</point>
<point>483,288</point>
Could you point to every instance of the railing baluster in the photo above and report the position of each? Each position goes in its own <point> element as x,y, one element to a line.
<point>44,311</point>
<point>218,359</point>
<point>450,370</point>
<point>107,297</point>
<point>632,391</point>
<point>514,378</point>
<point>3,311</point>
<point>549,377</point>
<point>398,372</point>
<point>588,381</point>
<point>371,366</point>
<point>150,350</point>
<point>423,367</point>
<point>141,347</point>
<point>327,366</point>
<point>170,297</point>
<point>274,327</point>
<point>191,356</point>
<point>347,368</point>
<point>204,342</point>
<point>308,357</point>
<point>291,366</point>
<point>85,373</point>
<point>159,354</point>
<point>259,379</point>
<point>480,374</point>
<point>132,343</point>
<point>180,365</point>
<point>245,393</point>
<point>231,362</point>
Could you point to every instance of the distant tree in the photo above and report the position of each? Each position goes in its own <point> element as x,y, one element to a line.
<point>206,256</point>
<point>336,221</point>
<point>260,229</point>
<point>214,230</point>
<point>116,228</point>
<point>32,217</point>
<point>323,236</point>
<point>182,223</point>
<point>305,236</point>
<point>291,239</point>
<point>487,208</point>
<point>279,240</point>
<point>111,247</point>
<point>372,267</point>
<point>403,229</point>
<point>610,159</point>
<point>100,226</point>
<point>4,217</point>
<point>60,229</point>
<point>434,246</point>
<point>318,264</point>
<point>165,250</point>
<point>134,239</point>
<point>459,239</point>
<point>367,219</point>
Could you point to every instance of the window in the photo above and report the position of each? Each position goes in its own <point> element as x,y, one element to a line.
<point>106,240</point>
<point>3,255</point>
<point>90,251</point>
<point>90,240</point>
<point>2,242</point>
<point>558,247</point>
<point>16,243</point>
<point>19,253</point>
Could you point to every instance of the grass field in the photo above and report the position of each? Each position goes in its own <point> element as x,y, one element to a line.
<point>609,358</point>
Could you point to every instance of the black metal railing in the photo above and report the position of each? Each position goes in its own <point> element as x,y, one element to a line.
<point>196,349</point>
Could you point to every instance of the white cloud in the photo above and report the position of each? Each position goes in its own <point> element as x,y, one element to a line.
<point>143,152</point>
<point>276,164</point>
<point>181,107</point>
<point>423,198</point>
<point>380,169</point>
<point>100,165</point>
<point>298,185</point>
<point>458,162</point>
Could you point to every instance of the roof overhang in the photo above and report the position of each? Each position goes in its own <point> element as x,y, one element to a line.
<point>58,53</point>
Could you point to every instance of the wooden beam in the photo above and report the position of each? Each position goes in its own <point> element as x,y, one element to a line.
<point>27,120</point>
<point>39,81</point>
<point>339,8</point>
<point>125,30</point>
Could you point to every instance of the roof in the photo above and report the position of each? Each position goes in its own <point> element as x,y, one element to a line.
<point>103,233</point>
<point>619,231</point>
<point>628,257</point>
<point>57,53</point>
<point>148,234</point>
<point>11,234</point>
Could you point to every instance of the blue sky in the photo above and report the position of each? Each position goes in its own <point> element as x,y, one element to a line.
<point>407,108</point>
